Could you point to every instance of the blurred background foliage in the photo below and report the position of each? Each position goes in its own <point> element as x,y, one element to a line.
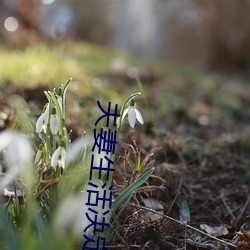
<point>212,34</point>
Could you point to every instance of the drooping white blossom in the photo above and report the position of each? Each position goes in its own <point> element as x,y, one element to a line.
<point>54,121</point>
<point>16,149</point>
<point>133,114</point>
<point>39,155</point>
<point>59,157</point>
<point>71,214</point>
<point>42,122</point>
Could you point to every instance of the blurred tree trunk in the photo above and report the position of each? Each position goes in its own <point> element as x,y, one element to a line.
<point>212,33</point>
<point>229,34</point>
<point>92,20</point>
<point>28,14</point>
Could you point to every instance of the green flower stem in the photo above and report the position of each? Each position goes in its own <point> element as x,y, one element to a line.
<point>47,137</point>
<point>132,96</point>
<point>120,118</point>
<point>53,142</point>
<point>65,87</point>
<point>66,137</point>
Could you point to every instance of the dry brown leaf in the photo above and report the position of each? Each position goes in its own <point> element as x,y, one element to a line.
<point>152,204</point>
<point>245,236</point>
<point>214,230</point>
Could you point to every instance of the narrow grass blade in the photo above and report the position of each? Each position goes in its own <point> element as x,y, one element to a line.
<point>11,239</point>
<point>128,191</point>
<point>122,208</point>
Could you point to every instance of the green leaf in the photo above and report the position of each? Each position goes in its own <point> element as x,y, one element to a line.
<point>10,236</point>
<point>39,222</point>
<point>128,191</point>
<point>65,87</point>
<point>122,209</point>
<point>185,212</point>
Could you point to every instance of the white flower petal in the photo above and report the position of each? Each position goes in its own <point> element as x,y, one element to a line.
<point>124,113</point>
<point>46,113</point>
<point>18,156</point>
<point>64,154</point>
<point>68,212</point>
<point>70,216</point>
<point>55,156</point>
<point>139,116</point>
<point>39,123</point>
<point>59,158</point>
<point>61,163</point>
<point>42,121</point>
<point>54,124</point>
<point>63,158</point>
<point>133,114</point>
<point>5,139</point>
<point>19,151</point>
<point>44,127</point>
<point>38,156</point>
<point>132,117</point>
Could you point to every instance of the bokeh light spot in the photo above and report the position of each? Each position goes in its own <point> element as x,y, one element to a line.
<point>47,2</point>
<point>58,31</point>
<point>11,24</point>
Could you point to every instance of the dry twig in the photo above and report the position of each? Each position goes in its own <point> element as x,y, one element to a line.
<point>184,224</point>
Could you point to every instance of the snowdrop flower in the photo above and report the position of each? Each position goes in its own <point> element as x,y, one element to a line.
<point>42,122</point>
<point>71,214</point>
<point>17,152</point>
<point>59,157</point>
<point>54,121</point>
<point>133,114</point>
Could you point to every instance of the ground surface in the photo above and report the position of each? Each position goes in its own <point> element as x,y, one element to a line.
<point>198,126</point>
<point>203,160</point>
